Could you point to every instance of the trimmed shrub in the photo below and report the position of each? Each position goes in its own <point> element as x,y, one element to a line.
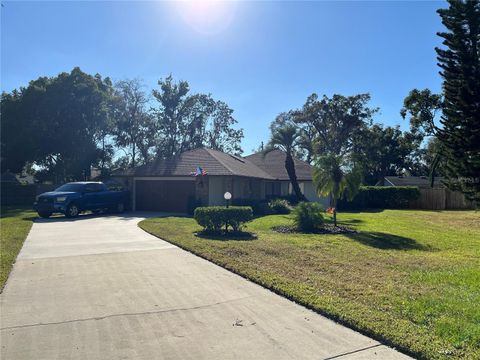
<point>279,206</point>
<point>308,216</point>
<point>381,197</point>
<point>217,218</point>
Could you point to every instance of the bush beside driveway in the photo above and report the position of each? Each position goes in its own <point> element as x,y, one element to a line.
<point>408,278</point>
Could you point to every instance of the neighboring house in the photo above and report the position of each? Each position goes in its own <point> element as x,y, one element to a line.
<point>168,184</point>
<point>420,181</point>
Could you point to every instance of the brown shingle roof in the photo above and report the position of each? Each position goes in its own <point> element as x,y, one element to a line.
<point>216,163</point>
<point>273,163</point>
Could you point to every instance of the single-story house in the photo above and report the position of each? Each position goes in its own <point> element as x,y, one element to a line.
<point>171,184</point>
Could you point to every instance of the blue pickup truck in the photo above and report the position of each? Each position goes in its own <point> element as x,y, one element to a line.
<point>73,198</point>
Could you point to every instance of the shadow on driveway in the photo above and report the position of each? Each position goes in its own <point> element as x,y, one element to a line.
<point>127,216</point>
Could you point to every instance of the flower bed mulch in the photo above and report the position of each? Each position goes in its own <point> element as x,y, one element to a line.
<point>325,229</point>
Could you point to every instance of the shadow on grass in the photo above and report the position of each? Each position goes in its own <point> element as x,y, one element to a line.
<point>361,211</point>
<point>26,213</point>
<point>388,241</point>
<point>236,236</point>
<point>350,222</point>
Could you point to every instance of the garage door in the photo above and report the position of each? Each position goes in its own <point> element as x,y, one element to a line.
<point>163,195</point>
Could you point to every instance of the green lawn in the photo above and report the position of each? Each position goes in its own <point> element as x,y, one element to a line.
<point>408,278</point>
<point>15,223</point>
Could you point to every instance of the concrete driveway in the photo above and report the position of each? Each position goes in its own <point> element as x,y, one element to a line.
<point>101,288</point>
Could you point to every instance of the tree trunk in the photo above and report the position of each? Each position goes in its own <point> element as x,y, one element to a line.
<point>103,154</point>
<point>290,167</point>
<point>334,212</point>
<point>133,154</point>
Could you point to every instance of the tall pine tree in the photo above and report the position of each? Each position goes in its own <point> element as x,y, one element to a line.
<point>460,68</point>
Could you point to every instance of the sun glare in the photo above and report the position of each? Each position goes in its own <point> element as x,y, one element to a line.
<point>207,17</point>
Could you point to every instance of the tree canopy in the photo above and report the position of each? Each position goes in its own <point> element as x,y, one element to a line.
<point>55,123</point>
<point>188,122</point>
<point>459,61</point>
<point>65,124</point>
<point>335,119</point>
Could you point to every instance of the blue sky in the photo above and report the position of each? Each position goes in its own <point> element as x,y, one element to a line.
<point>261,58</point>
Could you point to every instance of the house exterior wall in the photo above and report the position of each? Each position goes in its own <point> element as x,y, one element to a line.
<point>284,188</point>
<point>210,189</point>
<point>202,190</point>
<point>308,190</point>
<point>239,187</point>
<point>216,189</point>
<point>310,194</point>
<point>247,188</point>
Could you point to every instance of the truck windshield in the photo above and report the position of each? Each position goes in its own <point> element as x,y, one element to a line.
<point>71,188</point>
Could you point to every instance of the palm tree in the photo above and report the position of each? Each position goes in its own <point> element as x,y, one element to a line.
<point>285,138</point>
<point>332,176</point>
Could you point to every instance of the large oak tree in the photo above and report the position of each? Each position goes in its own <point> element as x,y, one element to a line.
<point>187,121</point>
<point>54,122</point>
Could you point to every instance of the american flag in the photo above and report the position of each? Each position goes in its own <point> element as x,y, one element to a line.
<point>199,171</point>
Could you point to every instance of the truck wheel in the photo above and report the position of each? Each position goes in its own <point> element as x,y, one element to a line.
<point>44,214</point>
<point>120,208</point>
<point>72,211</point>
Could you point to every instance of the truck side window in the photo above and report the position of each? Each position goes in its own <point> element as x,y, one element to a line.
<point>90,188</point>
<point>99,187</point>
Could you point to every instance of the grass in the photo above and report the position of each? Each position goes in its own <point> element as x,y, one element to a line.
<point>15,223</point>
<point>408,278</point>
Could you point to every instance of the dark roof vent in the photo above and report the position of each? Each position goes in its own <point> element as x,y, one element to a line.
<point>237,158</point>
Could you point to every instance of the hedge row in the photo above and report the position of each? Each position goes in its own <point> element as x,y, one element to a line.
<point>216,218</point>
<point>381,197</point>
<point>15,194</point>
<point>267,206</point>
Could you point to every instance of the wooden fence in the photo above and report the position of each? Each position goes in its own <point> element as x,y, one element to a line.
<point>441,199</point>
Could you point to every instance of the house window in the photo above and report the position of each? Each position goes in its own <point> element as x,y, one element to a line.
<point>272,188</point>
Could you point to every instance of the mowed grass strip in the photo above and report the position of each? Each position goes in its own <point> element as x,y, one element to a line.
<point>408,278</point>
<point>15,223</point>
